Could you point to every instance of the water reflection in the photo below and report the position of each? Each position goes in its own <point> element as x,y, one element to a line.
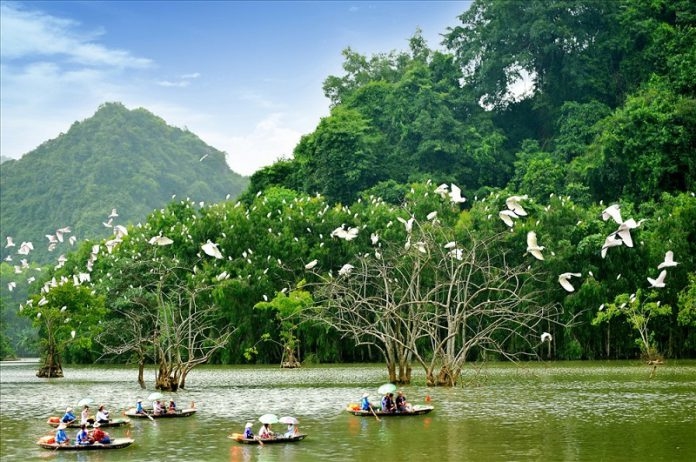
<point>578,411</point>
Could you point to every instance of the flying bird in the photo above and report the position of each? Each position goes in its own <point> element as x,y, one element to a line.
<point>442,190</point>
<point>660,281</point>
<point>610,241</point>
<point>532,246</point>
<point>507,217</point>
<point>113,214</point>
<point>546,337</point>
<point>614,212</point>
<point>408,224</point>
<point>10,242</point>
<point>456,195</point>
<point>669,261</point>
<point>513,203</point>
<point>564,280</point>
<point>311,264</point>
<point>211,249</point>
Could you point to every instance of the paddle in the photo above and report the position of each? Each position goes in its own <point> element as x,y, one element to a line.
<point>373,413</point>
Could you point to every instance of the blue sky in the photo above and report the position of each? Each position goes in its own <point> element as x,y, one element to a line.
<point>246,77</point>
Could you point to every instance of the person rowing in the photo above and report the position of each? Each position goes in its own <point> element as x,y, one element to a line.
<point>68,417</point>
<point>61,435</point>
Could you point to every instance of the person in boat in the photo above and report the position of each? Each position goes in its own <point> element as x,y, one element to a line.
<point>102,415</point>
<point>248,432</point>
<point>68,417</point>
<point>171,409</point>
<point>139,407</point>
<point>388,403</point>
<point>82,437</point>
<point>292,431</point>
<point>61,436</point>
<point>157,407</point>
<point>84,416</point>
<point>265,431</point>
<point>99,436</point>
<point>401,404</point>
<point>365,402</point>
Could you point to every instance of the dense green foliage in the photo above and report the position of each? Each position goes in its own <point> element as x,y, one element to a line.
<point>610,119</point>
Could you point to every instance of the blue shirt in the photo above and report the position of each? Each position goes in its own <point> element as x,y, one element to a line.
<point>68,417</point>
<point>139,408</point>
<point>248,433</point>
<point>61,436</point>
<point>82,437</point>
<point>365,404</point>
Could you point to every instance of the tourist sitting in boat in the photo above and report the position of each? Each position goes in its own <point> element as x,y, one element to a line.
<point>157,407</point>
<point>61,436</point>
<point>388,403</point>
<point>172,407</point>
<point>248,432</point>
<point>139,407</point>
<point>99,436</point>
<point>265,431</point>
<point>68,417</point>
<point>401,404</point>
<point>292,431</point>
<point>82,437</point>
<point>102,415</point>
<point>84,416</point>
<point>365,402</point>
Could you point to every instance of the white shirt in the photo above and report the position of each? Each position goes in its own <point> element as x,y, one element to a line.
<point>102,415</point>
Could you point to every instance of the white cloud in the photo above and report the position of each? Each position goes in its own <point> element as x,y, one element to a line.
<point>269,141</point>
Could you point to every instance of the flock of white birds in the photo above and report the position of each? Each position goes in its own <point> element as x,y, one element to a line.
<point>514,211</point>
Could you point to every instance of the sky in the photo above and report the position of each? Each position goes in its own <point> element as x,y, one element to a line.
<point>246,77</point>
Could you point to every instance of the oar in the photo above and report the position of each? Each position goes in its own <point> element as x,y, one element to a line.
<point>373,413</point>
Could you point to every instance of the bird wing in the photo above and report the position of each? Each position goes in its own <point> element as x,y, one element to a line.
<point>625,235</point>
<point>507,216</point>
<point>532,239</point>
<point>563,279</point>
<point>614,212</point>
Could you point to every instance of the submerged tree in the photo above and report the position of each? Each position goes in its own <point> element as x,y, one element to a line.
<point>436,301</point>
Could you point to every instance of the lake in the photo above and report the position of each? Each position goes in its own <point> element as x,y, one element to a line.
<point>570,411</point>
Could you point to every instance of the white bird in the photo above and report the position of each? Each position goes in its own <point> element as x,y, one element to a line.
<point>513,203</point>
<point>11,285</point>
<point>72,334</point>
<point>311,264</point>
<point>507,216</point>
<point>431,216</point>
<point>457,254</point>
<point>120,231</point>
<point>10,242</point>
<point>211,249</point>
<point>113,214</point>
<point>72,240</point>
<point>160,240</point>
<point>564,280</point>
<point>610,241</point>
<point>456,195</point>
<point>374,238</point>
<point>546,337</point>
<point>345,269</point>
<point>614,212</point>
<point>51,238</point>
<point>624,231</point>
<point>108,224</point>
<point>408,224</point>
<point>532,246</point>
<point>442,190</point>
<point>222,276</point>
<point>43,301</point>
<point>669,261</point>
<point>25,248</point>
<point>660,281</point>
<point>450,245</point>
<point>63,308</point>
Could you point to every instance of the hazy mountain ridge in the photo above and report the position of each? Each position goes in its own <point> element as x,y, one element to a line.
<point>130,160</point>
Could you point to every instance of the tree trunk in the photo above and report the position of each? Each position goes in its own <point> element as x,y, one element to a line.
<point>141,373</point>
<point>51,367</point>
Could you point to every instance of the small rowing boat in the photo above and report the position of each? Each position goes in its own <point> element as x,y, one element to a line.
<point>116,443</point>
<point>55,421</point>
<point>166,415</point>
<point>415,410</point>
<point>239,438</point>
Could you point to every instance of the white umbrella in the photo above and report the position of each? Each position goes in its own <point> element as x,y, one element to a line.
<point>288,420</point>
<point>84,402</point>
<point>386,388</point>
<point>268,419</point>
<point>155,396</point>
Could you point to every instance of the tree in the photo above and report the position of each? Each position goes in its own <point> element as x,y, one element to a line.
<point>64,314</point>
<point>440,300</point>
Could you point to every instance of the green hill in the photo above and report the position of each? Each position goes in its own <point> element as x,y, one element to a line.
<point>128,160</point>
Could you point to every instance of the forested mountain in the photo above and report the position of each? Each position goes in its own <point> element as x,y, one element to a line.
<point>128,160</point>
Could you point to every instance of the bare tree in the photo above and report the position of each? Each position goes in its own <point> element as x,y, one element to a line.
<point>437,302</point>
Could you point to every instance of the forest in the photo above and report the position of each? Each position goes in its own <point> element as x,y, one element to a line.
<point>437,216</point>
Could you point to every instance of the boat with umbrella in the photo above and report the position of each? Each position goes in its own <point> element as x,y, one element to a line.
<point>166,414</point>
<point>294,437</point>
<point>54,421</point>
<point>377,412</point>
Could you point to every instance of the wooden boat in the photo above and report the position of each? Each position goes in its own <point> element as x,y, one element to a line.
<point>239,438</point>
<point>55,421</point>
<point>416,410</point>
<point>116,443</point>
<point>179,413</point>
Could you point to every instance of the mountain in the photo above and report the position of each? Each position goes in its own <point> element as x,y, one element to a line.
<point>128,160</point>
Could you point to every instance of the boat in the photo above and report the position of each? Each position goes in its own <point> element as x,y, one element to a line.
<point>239,438</point>
<point>415,410</point>
<point>179,413</point>
<point>48,442</point>
<point>55,421</point>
